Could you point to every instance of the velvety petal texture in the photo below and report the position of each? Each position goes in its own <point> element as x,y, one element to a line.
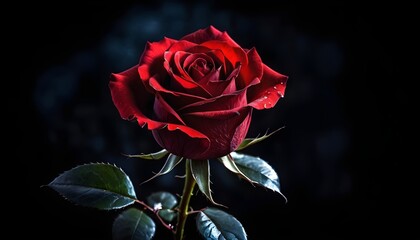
<point>197,94</point>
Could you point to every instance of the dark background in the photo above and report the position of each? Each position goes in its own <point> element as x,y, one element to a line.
<point>340,158</point>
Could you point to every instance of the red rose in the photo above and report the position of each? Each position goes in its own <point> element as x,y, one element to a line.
<point>196,94</point>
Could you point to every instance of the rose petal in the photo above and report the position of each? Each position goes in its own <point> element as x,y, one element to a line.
<point>207,34</point>
<point>215,54</point>
<point>130,95</point>
<point>151,61</point>
<point>177,99</point>
<point>164,112</point>
<point>133,101</point>
<point>185,130</point>
<point>225,129</point>
<point>212,76</point>
<point>180,46</point>
<point>219,103</point>
<point>250,71</point>
<point>198,65</point>
<point>187,86</point>
<point>176,61</point>
<point>192,58</point>
<point>216,85</point>
<point>218,59</point>
<point>232,54</point>
<point>268,91</point>
<point>230,88</point>
<point>180,80</point>
<point>185,145</point>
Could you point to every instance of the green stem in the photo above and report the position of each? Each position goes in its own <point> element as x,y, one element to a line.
<point>189,185</point>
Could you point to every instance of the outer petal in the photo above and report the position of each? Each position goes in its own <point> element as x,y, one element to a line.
<point>151,61</point>
<point>130,96</point>
<point>181,45</point>
<point>133,101</point>
<point>209,33</point>
<point>268,91</point>
<point>225,129</point>
<point>181,144</point>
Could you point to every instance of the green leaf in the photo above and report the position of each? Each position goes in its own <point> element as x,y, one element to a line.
<point>170,163</point>
<point>230,164</point>
<point>163,199</point>
<point>150,156</point>
<point>200,170</point>
<point>258,170</point>
<point>164,202</point>
<point>133,224</point>
<point>168,214</point>
<point>97,185</point>
<point>251,141</point>
<point>215,224</point>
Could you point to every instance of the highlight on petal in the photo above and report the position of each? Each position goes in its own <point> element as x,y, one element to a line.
<point>232,54</point>
<point>181,45</point>
<point>267,93</point>
<point>187,86</point>
<point>151,61</point>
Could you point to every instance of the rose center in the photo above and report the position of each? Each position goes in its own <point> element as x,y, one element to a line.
<point>199,68</point>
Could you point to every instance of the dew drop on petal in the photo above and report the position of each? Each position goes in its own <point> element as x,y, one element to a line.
<point>275,87</point>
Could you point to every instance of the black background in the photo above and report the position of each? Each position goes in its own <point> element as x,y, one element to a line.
<point>340,158</point>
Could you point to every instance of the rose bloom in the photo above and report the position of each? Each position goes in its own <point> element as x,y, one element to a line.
<point>197,94</point>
